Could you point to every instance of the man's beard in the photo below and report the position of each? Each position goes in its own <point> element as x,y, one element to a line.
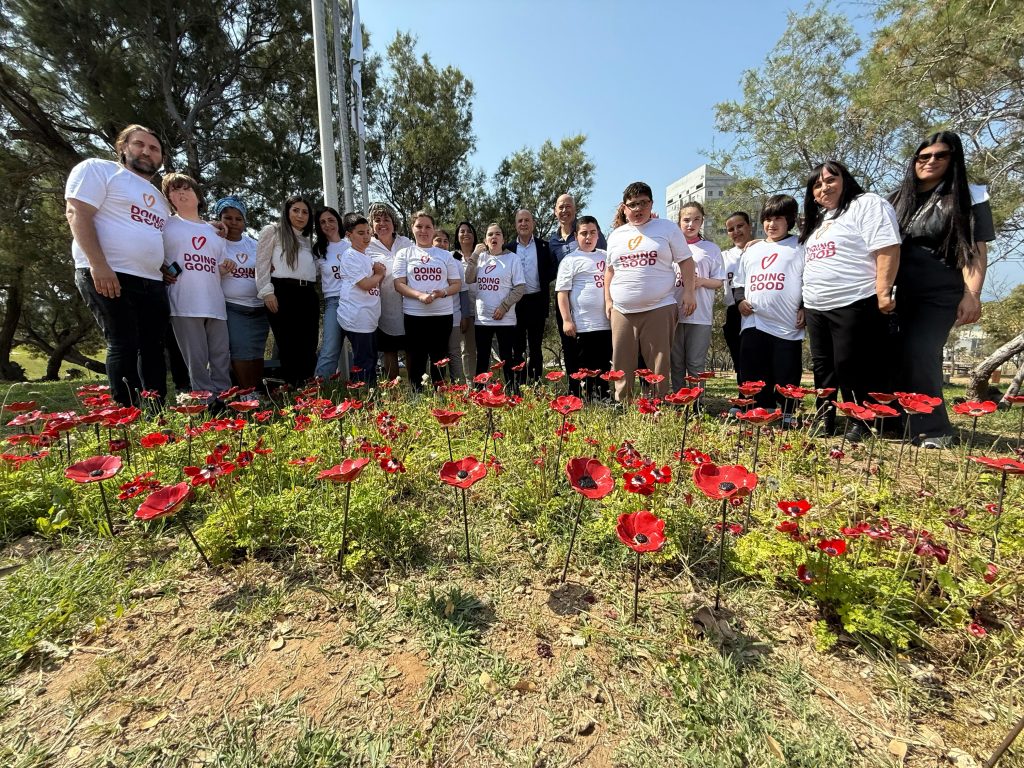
<point>140,164</point>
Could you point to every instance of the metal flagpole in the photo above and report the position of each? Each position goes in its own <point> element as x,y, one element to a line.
<point>323,103</point>
<point>339,67</point>
<point>356,55</point>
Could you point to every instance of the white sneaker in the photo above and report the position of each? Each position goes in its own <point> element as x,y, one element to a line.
<point>940,441</point>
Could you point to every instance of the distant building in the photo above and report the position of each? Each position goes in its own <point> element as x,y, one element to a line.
<point>702,185</point>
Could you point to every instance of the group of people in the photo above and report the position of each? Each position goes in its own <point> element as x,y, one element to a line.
<point>877,283</point>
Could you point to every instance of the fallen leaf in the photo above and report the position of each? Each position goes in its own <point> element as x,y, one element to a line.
<point>74,753</point>
<point>526,686</point>
<point>488,684</point>
<point>898,749</point>
<point>153,722</point>
<point>449,608</point>
<point>775,747</point>
<point>277,642</point>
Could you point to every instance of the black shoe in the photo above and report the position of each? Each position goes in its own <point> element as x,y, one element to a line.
<point>857,432</point>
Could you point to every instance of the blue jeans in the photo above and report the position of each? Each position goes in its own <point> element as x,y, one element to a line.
<point>133,326</point>
<point>330,348</point>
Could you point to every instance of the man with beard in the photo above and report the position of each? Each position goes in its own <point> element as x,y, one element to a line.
<point>117,218</point>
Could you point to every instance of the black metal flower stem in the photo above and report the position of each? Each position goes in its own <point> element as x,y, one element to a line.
<point>465,524</point>
<point>636,589</point>
<point>1020,428</point>
<point>448,434</point>
<point>344,525</point>
<point>110,521</point>
<point>1005,745</point>
<point>721,557</point>
<point>974,431</point>
<point>572,539</point>
<point>999,514</point>
<point>196,543</point>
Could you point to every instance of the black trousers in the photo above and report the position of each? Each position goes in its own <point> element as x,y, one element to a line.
<point>531,320</point>
<point>850,349</point>
<point>134,326</point>
<point>595,353</point>
<point>731,332</point>
<point>426,336</point>
<point>296,327</point>
<point>570,354</point>
<point>772,360</point>
<point>485,335</point>
<point>176,363</point>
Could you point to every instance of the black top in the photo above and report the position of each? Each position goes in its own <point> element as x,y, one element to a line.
<point>931,221</point>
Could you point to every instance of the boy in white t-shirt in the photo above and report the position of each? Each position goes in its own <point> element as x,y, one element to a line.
<point>359,298</point>
<point>198,312</point>
<point>767,288</point>
<point>580,289</point>
<point>692,339</point>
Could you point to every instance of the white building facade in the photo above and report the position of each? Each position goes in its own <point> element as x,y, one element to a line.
<point>702,185</point>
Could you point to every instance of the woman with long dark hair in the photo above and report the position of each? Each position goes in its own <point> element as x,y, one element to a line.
<point>946,224</point>
<point>852,245</point>
<point>286,281</point>
<point>329,248</point>
<point>465,244</point>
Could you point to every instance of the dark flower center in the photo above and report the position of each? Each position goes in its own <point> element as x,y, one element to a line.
<point>794,509</point>
<point>727,486</point>
<point>96,473</point>
<point>462,474</point>
<point>587,482</point>
<point>640,538</point>
<point>210,468</point>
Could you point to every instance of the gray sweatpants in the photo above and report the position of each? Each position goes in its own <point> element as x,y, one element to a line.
<point>204,345</point>
<point>690,346</point>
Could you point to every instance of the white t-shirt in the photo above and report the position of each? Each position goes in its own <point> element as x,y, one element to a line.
<point>239,285</point>
<point>840,268</point>
<point>771,275</point>
<point>495,277</point>
<point>358,310</point>
<point>731,263</point>
<point>391,314</point>
<point>643,259</point>
<point>464,288</point>
<point>582,275</point>
<point>130,217</point>
<point>707,262</point>
<point>330,267</point>
<point>199,251</point>
<point>426,270</point>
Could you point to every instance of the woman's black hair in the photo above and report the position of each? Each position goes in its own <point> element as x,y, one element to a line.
<point>286,235</point>
<point>814,213</point>
<point>742,214</point>
<point>958,245</point>
<point>320,246</point>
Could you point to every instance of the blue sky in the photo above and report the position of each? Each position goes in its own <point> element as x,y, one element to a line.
<point>639,78</point>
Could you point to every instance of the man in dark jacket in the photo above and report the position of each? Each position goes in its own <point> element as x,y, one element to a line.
<point>532,310</point>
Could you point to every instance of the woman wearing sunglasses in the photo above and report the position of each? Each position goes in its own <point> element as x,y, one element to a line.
<point>946,225</point>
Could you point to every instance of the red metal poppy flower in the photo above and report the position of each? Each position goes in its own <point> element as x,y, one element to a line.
<point>641,531</point>
<point>21,407</point>
<point>346,472</point>
<point>443,362</point>
<point>93,469</point>
<point>1014,399</point>
<point>750,388</point>
<point>928,548</point>
<point>855,410</point>
<point>164,502</point>
<point>641,482</point>
<point>463,473</point>
<point>566,404</point>
<point>554,375</point>
<point>792,391</point>
<point>741,402</point>
<point>154,440</point>
<point>975,408</point>
<point>884,411</point>
<point>244,406</point>
<point>804,575</point>
<point>579,375</point>
<point>977,630</point>
<point>915,403</point>
<point>788,526</point>
<point>797,508</point>
<point>189,409</point>
<point>483,378</point>
<point>613,375</point>
<point>832,547</point>
<point>489,399</point>
<point>654,378</point>
<point>391,465</point>
<point>589,477</point>
<point>138,486</point>
<point>1009,466</point>
<point>447,418</point>
<point>208,474</point>
<point>991,572</point>
<point>303,461</point>
<point>519,366</point>
<point>684,395</point>
<point>824,392</point>
<point>723,482</point>
<point>760,416</point>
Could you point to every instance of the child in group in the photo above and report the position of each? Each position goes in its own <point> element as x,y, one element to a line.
<point>359,299</point>
<point>427,278</point>
<point>580,289</point>
<point>692,338</point>
<point>498,275</point>
<point>194,264</point>
<point>460,310</point>
<point>329,249</point>
<point>767,289</point>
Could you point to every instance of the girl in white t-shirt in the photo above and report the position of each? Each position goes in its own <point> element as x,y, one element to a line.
<point>693,333</point>
<point>198,314</point>
<point>500,283</point>
<point>384,247</point>
<point>767,287</point>
<point>580,289</point>
<point>427,278</point>
<point>329,248</point>
<point>461,311</point>
<point>852,251</point>
<point>358,308</point>
<point>248,326</point>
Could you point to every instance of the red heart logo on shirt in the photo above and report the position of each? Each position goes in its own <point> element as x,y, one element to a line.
<point>198,242</point>
<point>241,258</point>
<point>490,268</point>
<point>425,258</point>
<point>767,261</point>
<point>600,266</point>
<point>149,200</point>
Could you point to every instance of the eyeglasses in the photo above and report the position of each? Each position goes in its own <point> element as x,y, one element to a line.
<point>924,157</point>
<point>638,205</point>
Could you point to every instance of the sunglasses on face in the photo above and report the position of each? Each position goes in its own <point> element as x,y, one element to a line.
<point>924,157</point>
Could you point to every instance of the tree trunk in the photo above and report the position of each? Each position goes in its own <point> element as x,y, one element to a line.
<point>74,356</point>
<point>13,304</point>
<point>1018,379</point>
<point>977,387</point>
